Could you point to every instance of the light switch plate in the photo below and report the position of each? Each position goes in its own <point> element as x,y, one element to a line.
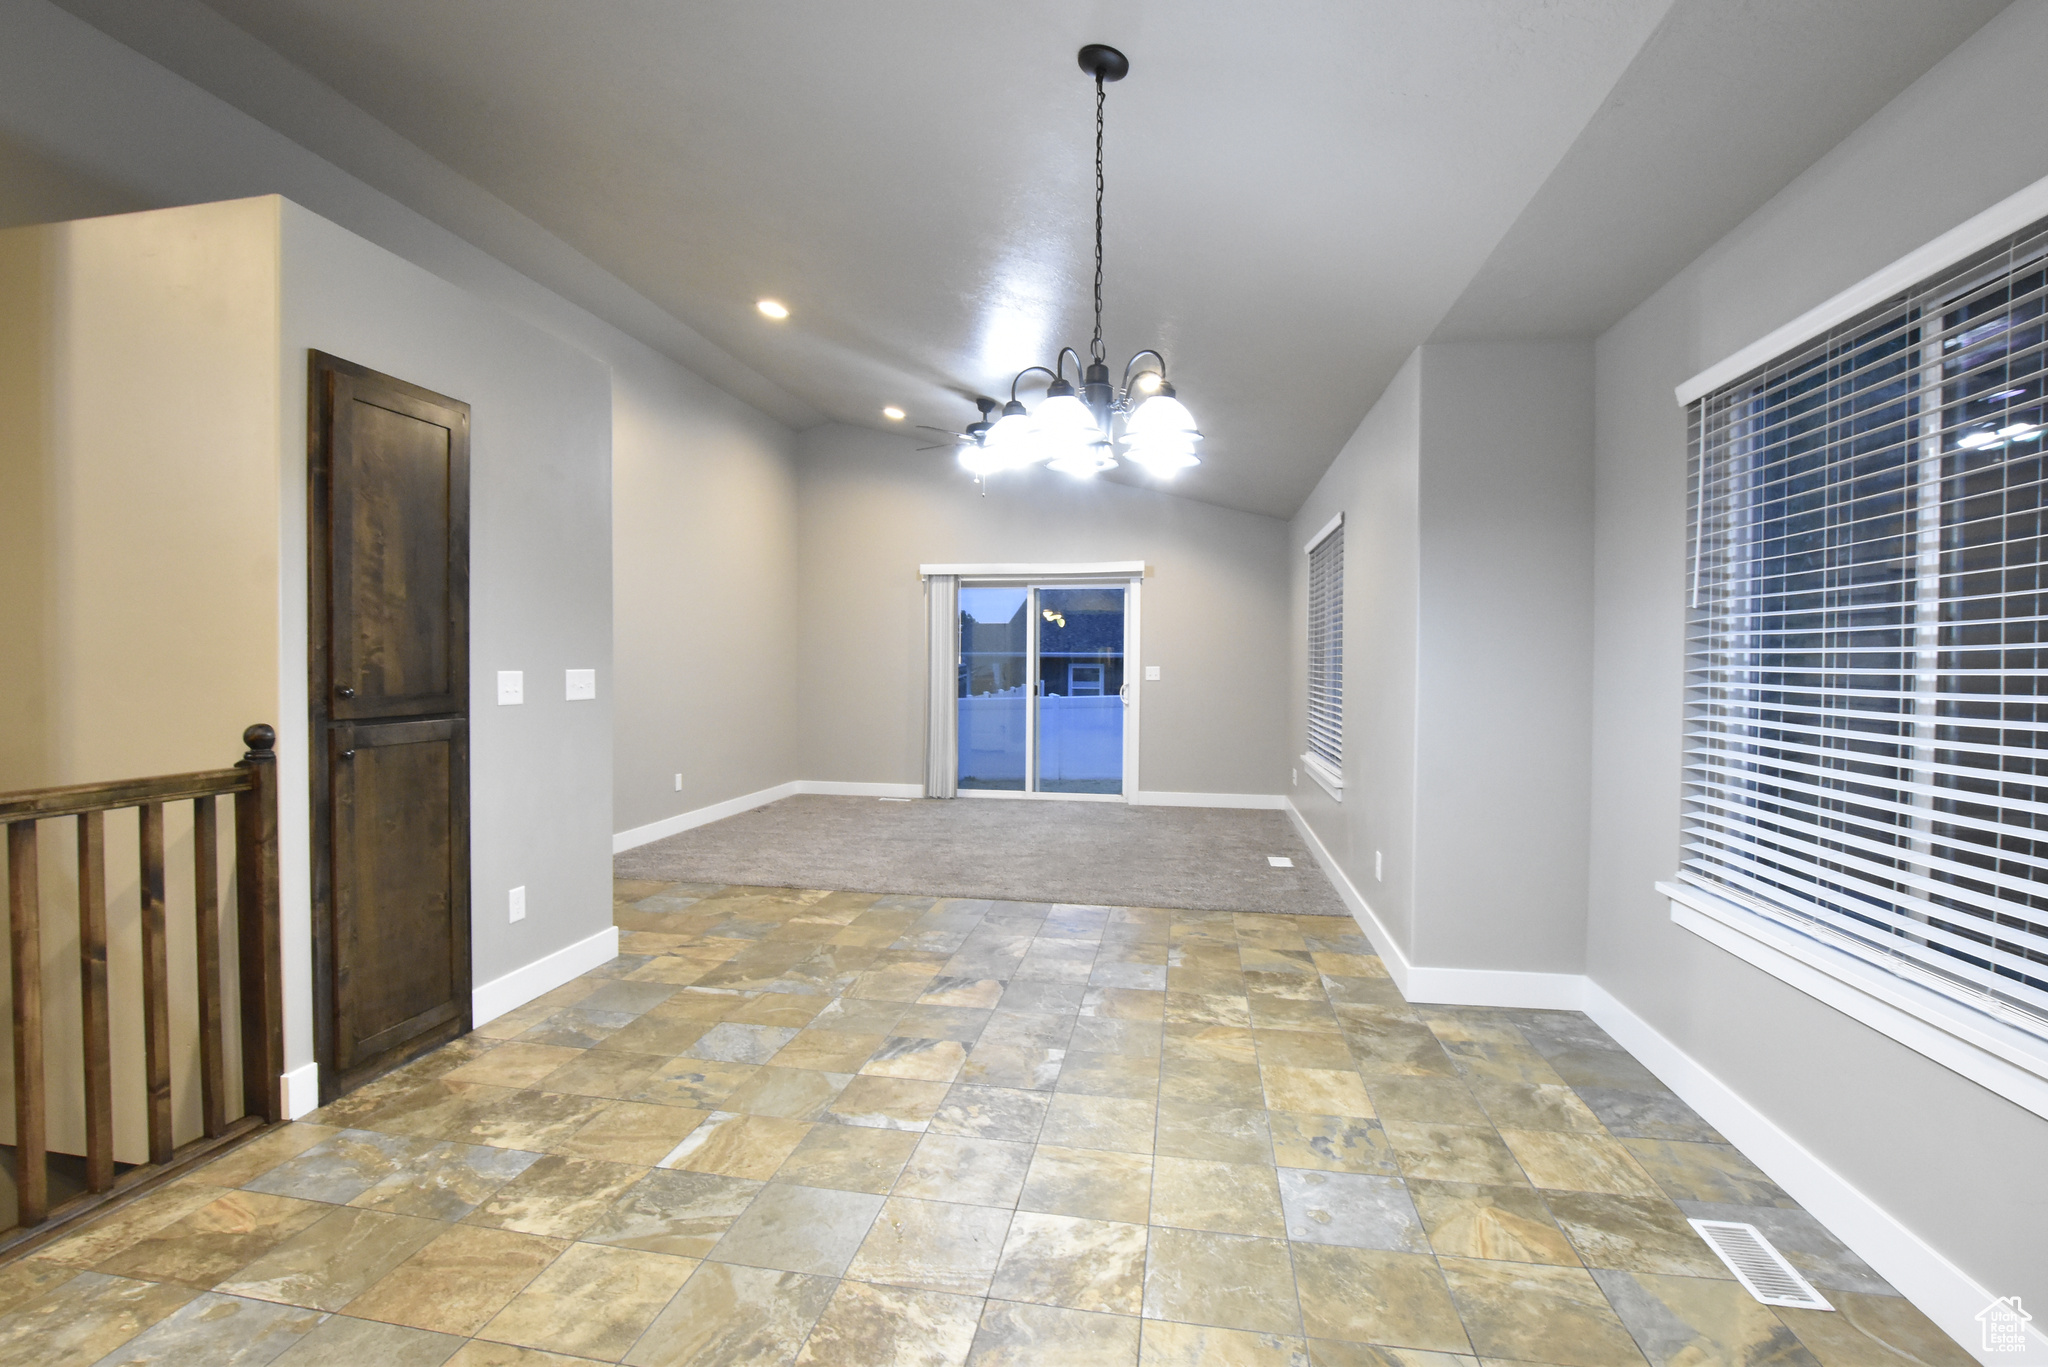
<point>511,687</point>
<point>1280,861</point>
<point>581,684</point>
<point>517,902</point>
<point>1151,672</point>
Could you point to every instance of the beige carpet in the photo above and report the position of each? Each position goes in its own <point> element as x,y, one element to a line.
<point>1093,853</point>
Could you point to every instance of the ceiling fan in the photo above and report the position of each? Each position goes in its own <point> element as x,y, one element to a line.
<point>975,430</point>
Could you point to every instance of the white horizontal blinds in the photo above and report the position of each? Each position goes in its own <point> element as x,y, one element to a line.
<point>1866,720</point>
<point>1326,649</point>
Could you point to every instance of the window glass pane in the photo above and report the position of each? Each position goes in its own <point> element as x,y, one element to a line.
<point>1080,682</point>
<point>993,652</point>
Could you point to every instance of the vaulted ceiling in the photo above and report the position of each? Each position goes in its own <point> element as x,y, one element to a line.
<point>1299,192</point>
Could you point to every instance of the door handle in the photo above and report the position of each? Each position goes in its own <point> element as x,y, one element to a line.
<point>1124,691</point>
<point>346,754</point>
<point>344,692</point>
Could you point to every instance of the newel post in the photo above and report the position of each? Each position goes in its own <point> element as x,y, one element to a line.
<point>256,896</point>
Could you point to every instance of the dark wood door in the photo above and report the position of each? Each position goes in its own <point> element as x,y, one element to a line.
<point>389,631</point>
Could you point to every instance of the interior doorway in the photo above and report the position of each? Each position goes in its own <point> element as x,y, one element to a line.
<point>389,681</point>
<point>1044,706</point>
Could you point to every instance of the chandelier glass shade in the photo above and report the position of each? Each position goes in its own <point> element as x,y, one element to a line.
<point>1077,430</point>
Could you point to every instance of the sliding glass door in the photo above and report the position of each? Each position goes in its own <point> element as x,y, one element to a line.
<point>1041,689</point>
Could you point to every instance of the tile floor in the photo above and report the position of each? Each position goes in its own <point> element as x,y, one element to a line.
<point>821,1127</point>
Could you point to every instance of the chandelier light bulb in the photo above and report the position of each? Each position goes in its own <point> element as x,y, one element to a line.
<point>1067,431</point>
<point>1162,458</point>
<point>1161,415</point>
<point>1012,443</point>
<point>1083,462</point>
<point>980,462</point>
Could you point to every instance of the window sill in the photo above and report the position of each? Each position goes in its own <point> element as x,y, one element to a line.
<point>2002,1057</point>
<point>1332,782</point>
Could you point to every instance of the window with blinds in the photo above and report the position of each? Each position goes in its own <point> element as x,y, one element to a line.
<point>1866,734</point>
<point>1326,652</point>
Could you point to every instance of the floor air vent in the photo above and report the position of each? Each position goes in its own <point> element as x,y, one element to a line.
<point>1761,1269</point>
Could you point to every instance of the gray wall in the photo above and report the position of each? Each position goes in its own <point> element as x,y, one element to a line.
<point>1953,1162</point>
<point>872,508</point>
<point>1467,499</point>
<point>1375,482</point>
<point>704,528</point>
<point>1503,694</point>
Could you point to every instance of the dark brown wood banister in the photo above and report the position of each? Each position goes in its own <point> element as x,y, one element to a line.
<point>253,785</point>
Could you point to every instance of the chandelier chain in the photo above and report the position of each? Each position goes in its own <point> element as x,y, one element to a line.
<point>1095,347</point>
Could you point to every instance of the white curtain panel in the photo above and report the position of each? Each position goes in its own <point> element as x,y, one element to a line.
<point>942,708</point>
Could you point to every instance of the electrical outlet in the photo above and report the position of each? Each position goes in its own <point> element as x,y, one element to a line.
<point>1378,867</point>
<point>679,783</point>
<point>1151,673</point>
<point>518,903</point>
<point>511,687</point>
<point>580,685</point>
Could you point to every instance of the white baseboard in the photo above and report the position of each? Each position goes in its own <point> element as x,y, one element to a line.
<point>544,974</point>
<point>1261,802</point>
<point>833,788</point>
<point>1496,987</point>
<point>1948,1295</point>
<point>301,1090</point>
<point>1361,910</point>
<point>719,811</point>
<point>1441,986</point>
<point>702,816</point>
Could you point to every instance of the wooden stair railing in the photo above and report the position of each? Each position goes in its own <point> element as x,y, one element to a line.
<point>253,783</point>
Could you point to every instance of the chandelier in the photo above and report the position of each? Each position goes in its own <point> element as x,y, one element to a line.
<point>1076,429</point>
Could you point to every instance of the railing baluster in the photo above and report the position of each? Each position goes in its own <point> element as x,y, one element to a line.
<point>256,904</point>
<point>156,985</point>
<point>92,971</point>
<point>213,1062</point>
<point>31,1170</point>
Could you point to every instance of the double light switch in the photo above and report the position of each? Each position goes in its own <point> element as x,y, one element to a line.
<point>578,685</point>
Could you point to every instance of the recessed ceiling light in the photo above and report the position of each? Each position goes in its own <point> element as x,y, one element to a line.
<point>893,413</point>
<point>772,308</point>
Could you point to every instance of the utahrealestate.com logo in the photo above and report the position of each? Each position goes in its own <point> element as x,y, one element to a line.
<point>2005,1325</point>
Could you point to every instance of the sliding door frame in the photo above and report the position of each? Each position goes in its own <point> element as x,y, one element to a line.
<point>1128,575</point>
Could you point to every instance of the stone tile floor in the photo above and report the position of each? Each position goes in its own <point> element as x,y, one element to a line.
<point>822,1127</point>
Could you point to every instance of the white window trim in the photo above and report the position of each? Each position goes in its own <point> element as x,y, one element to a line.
<point>1321,772</point>
<point>2008,1060</point>
<point>2000,221</point>
<point>1094,569</point>
<point>1324,535</point>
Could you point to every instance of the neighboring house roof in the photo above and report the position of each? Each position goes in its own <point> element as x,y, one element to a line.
<point>1085,633</point>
